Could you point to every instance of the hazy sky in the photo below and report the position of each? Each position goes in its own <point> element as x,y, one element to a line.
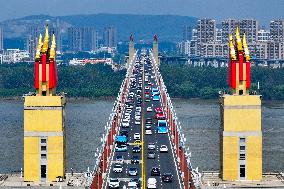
<point>263,10</point>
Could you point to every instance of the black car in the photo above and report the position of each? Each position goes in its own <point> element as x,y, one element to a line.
<point>124,133</point>
<point>134,159</point>
<point>137,181</point>
<point>167,177</point>
<point>136,149</point>
<point>155,171</point>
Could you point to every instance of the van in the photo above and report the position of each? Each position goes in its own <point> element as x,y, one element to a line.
<point>151,183</point>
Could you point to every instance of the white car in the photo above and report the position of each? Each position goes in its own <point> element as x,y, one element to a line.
<point>151,146</point>
<point>147,88</point>
<point>117,168</point>
<point>132,185</point>
<point>138,109</point>
<point>151,183</point>
<point>113,183</point>
<point>125,124</point>
<point>137,122</point>
<point>148,132</point>
<point>163,148</point>
<point>136,136</point>
<point>149,109</point>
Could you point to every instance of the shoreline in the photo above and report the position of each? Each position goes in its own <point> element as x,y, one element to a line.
<point>266,103</point>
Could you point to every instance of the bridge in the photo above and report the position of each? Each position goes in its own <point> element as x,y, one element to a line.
<point>143,146</point>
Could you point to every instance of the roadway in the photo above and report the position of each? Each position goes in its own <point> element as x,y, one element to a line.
<point>164,161</point>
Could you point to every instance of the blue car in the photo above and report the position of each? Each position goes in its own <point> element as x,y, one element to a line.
<point>121,148</point>
<point>156,97</point>
<point>162,127</point>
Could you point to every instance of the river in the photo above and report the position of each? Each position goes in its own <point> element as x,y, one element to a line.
<point>85,121</point>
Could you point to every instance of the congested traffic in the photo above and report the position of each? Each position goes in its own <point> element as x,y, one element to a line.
<point>143,132</point>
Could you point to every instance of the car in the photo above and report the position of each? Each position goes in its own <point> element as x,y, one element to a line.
<point>137,117</point>
<point>147,96</point>
<point>113,183</point>
<point>149,109</point>
<point>136,149</point>
<point>138,109</point>
<point>155,171</point>
<point>163,148</point>
<point>125,124</point>
<point>151,146</point>
<point>147,88</point>
<point>160,116</point>
<point>149,120</point>
<point>147,100</point>
<point>147,92</point>
<point>137,122</point>
<point>121,148</point>
<point>132,185</point>
<point>151,155</point>
<point>156,97</point>
<point>137,142</point>
<point>148,132</point>
<point>136,136</point>
<point>138,182</point>
<point>158,110</point>
<point>119,159</point>
<point>117,168</point>
<point>132,171</point>
<point>148,126</point>
<point>124,133</point>
<point>134,159</point>
<point>167,177</point>
<point>151,183</point>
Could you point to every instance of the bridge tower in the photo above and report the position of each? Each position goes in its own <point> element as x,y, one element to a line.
<point>156,50</point>
<point>131,50</point>
<point>241,135</point>
<point>44,132</point>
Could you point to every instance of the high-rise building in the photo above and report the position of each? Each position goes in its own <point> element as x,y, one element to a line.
<point>251,28</point>
<point>277,30</point>
<point>82,39</point>
<point>228,26</point>
<point>263,36</point>
<point>1,39</point>
<point>32,40</point>
<point>110,37</point>
<point>187,33</point>
<point>219,35</point>
<point>206,31</point>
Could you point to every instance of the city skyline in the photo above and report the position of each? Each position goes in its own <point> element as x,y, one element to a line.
<point>195,8</point>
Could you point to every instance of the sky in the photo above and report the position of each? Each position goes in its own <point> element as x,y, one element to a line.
<point>262,10</point>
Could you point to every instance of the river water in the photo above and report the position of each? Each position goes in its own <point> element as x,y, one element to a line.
<point>85,123</point>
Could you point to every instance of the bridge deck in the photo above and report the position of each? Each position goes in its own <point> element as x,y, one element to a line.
<point>164,161</point>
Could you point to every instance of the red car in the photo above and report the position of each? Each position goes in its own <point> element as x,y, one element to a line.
<point>147,92</point>
<point>160,116</point>
<point>158,110</point>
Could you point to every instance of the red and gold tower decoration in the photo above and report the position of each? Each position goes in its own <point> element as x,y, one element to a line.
<point>45,66</point>
<point>239,65</point>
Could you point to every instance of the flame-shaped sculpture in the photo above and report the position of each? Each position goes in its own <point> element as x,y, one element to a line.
<point>239,64</point>
<point>45,66</point>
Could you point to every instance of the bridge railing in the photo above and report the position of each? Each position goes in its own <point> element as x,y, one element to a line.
<point>190,177</point>
<point>103,155</point>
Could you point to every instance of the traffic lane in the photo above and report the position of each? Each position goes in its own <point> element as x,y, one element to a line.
<point>153,162</point>
<point>127,155</point>
<point>167,161</point>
